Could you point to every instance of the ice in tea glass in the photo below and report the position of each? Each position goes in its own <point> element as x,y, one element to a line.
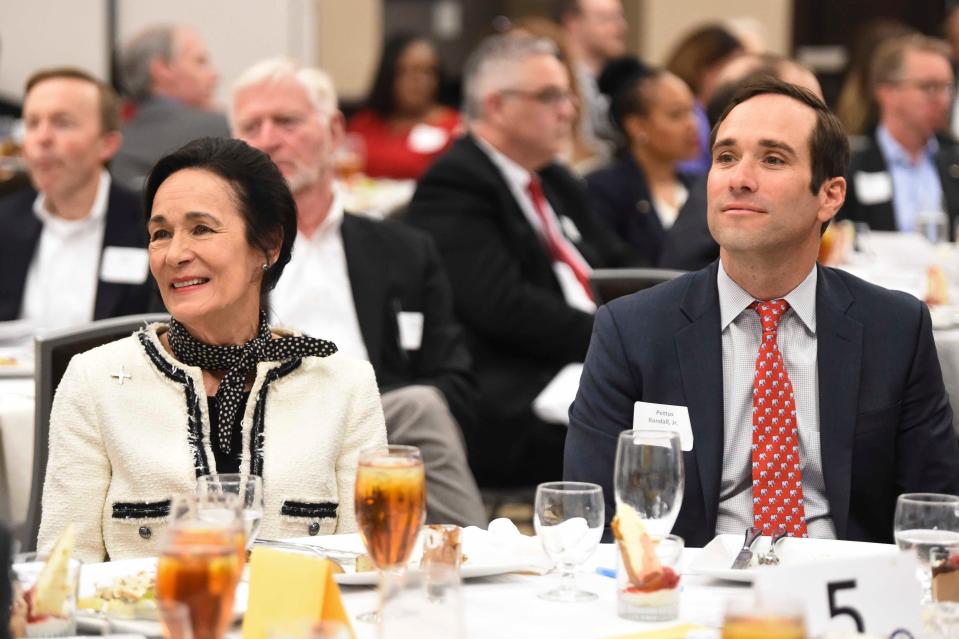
<point>200,564</point>
<point>390,503</point>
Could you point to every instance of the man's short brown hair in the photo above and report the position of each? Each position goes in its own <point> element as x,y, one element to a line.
<point>889,58</point>
<point>109,102</point>
<point>828,143</point>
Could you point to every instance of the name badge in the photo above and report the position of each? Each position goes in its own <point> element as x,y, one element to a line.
<point>873,188</point>
<point>649,416</point>
<point>124,265</point>
<point>877,595</point>
<point>425,138</point>
<point>570,230</point>
<point>411,330</point>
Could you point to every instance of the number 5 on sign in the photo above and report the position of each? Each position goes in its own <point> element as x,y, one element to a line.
<point>875,595</point>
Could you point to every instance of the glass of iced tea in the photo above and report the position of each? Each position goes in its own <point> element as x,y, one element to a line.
<point>200,564</point>
<point>390,502</point>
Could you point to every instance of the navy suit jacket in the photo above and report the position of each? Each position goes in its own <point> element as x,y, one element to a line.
<point>395,268</point>
<point>881,216</point>
<point>620,195</point>
<point>884,417</point>
<point>20,231</point>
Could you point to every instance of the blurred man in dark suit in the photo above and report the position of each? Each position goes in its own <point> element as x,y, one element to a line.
<point>519,243</point>
<point>72,247</point>
<point>377,289</point>
<point>167,70</point>
<point>905,171</point>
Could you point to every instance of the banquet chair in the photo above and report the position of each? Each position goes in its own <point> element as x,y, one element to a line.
<point>53,352</point>
<point>6,587</point>
<point>610,283</point>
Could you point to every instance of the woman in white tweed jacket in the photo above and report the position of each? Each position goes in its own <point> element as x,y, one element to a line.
<point>135,422</point>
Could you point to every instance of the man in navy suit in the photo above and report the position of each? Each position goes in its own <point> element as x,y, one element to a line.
<point>862,411</point>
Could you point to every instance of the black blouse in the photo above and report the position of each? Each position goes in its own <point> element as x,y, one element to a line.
<point>227,463</point>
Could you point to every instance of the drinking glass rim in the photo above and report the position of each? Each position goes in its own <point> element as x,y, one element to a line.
<point>391,450</point>
<point>652,433</point>
<point>928,498</point>
<point>570,487</point>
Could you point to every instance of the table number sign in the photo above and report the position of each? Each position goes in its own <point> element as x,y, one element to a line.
<point>876,595</point>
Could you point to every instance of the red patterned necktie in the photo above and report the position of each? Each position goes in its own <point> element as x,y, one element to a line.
<point>558,247</point>
<point>777,478</point>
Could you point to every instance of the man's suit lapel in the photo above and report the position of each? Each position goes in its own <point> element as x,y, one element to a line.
<point>116,232</point>
<point>700,353</point>
<point>367,284</point>
<point>839,347</point>
<point>882,215</point>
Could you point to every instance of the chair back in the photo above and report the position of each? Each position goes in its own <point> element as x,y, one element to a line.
<point>6,586</point>
<point>610,283</point>
<point>53,352</point>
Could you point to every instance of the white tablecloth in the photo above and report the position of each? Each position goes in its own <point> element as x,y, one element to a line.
<point>900,261</point>
<point>16,446</point>
<point>508,606</point>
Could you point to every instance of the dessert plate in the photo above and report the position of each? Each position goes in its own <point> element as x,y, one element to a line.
<point>715,559</point>
<point>93,575</point>
<point>483,558</point>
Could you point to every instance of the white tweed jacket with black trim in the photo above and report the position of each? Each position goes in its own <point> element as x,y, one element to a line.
<point>120,452</point>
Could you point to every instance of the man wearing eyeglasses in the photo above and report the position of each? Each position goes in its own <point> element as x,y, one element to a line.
<point>905,170</point>
<point>518,242</point>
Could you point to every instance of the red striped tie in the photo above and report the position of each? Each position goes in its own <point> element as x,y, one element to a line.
<point>559,248</point>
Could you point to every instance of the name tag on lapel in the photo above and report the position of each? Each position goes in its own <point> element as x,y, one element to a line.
<point>124,265</point>
<point>873,188</point>
<point>411,330</point>
<point>570,230</point>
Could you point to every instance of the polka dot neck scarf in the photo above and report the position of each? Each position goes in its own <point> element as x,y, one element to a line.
<point>239,362</point>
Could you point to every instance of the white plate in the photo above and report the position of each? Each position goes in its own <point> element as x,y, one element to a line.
<point>93,575</point>
<point>482,559</point>
<point>717,556</point>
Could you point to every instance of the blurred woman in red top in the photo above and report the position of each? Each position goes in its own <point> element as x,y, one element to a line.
<point>403,126</point>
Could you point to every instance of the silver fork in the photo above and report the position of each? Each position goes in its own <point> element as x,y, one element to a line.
<point>769,558</point>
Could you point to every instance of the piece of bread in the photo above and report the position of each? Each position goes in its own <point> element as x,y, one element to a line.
<point>53,587</point>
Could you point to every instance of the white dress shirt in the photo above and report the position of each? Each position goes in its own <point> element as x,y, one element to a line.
<point>517,178</point>
<point>61,285</point>
<point>796,337</point>
<point>314,295</point>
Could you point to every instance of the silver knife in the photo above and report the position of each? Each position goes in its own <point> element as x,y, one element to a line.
<point>745,555</point>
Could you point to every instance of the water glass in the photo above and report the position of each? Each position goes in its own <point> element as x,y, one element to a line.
<point>927,524</point>
<point>933,224</point>
<point>649,477</point>
<point>214,491</point>
<point>656,598</point>
<point>568,517</point>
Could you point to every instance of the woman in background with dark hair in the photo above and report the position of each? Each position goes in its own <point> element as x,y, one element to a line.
<point>217,390</point>
<point>697,60</point>
<point>403,126</point>
<point>639,195</point>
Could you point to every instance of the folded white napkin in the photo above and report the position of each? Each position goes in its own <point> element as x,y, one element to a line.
<point>503,543</point>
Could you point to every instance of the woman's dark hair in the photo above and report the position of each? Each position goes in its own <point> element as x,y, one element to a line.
<point>626,82</point>
<point>381,99</point>
<point>699,50</point>
<point>259,189</point>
